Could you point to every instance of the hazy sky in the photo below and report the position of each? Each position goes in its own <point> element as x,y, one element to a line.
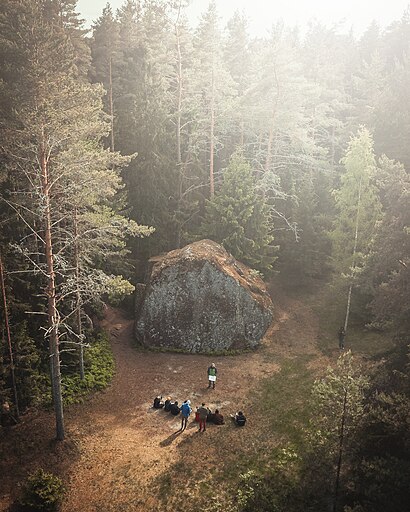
<point>262,13</point>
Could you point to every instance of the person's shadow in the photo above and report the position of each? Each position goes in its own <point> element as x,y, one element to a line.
<point>170,439</point>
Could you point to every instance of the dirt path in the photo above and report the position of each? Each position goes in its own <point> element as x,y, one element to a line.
<point>127,444</point>
<point>122,447</point>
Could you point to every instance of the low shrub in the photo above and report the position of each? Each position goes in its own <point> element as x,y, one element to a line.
<point>42,491</point>
<point>99,371</point>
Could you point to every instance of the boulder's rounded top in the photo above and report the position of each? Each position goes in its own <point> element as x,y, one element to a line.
<point>208,251</point>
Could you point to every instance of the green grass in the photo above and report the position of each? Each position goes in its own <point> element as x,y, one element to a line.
<point>285,398</point>
<point>330,306</point>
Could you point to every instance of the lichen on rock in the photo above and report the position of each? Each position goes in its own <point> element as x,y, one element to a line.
<point>200,299</point>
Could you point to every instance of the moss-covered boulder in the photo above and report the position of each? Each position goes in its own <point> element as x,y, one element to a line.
<point>200,299</point>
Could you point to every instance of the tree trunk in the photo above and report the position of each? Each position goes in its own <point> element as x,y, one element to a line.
<point>52,313</point>
<point>270,141</point>
<point>242,136</point>
<point>179,92</point>
<point>111,105</point>
<point>10,347</point>
<point>212,130</point>
<point>339,461</point>
<point>78,297</point>
<point>356,236</point>
<point>332,150</point>
<point>180,167</point>
<point>272,127</point>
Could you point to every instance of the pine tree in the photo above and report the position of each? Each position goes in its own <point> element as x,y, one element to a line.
<point>60,167</point>
<point>214,90</point>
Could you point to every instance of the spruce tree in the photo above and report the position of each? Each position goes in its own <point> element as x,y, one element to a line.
<point>239,218</point>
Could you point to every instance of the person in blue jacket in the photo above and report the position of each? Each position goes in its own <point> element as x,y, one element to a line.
<point>185,412</point>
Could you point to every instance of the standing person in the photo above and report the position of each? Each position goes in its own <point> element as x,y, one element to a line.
<point>202,415</point>
<point>212,371</point>
<point>185,412</point>
<point>341,335</point>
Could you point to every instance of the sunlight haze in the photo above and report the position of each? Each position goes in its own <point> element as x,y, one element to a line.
<point>263,13</point>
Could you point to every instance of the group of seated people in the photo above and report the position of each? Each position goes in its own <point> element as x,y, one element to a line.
<point>168,405</point>
<point>213,417</point>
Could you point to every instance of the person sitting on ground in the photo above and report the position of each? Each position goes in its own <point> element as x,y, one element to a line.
<point>240,419</point>
<point>175,410</point>
<point>167,404</point>
<point>158,403</point>
<point>218,418</point>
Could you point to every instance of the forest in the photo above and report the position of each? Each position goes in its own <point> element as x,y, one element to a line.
<point>144,134</point>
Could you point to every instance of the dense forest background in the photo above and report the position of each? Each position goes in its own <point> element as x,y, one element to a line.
<point>145,134</point>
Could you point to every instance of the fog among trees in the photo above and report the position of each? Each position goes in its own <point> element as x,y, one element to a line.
<point>144,134</point>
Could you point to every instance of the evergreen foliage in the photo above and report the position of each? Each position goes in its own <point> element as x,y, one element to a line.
<point>239,218</point>
<point>43,491</point>
<point>176,102</point>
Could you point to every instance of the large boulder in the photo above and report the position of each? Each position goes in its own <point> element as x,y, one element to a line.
<point>200,299</point>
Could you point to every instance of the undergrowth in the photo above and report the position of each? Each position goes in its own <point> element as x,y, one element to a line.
<point>99,371</point>
<point>329,304</point>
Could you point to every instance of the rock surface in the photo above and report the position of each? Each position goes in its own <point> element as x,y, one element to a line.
<point>200,299</point>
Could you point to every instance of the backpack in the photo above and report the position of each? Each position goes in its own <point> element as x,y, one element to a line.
<point>185,409</point>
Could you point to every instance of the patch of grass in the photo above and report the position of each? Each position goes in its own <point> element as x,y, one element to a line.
<point>285,398</point>
<point>330,307</point>
<point>164,483</point>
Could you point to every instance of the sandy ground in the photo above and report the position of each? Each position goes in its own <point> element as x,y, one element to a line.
<point>118,449</point>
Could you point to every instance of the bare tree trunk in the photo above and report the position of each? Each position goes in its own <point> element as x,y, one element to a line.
<point>339,461</point>
<point>356,236</point>
<point>51,298</point>
<point>178,120</point>
<point>272,126</point>
<point>212,130</point>
<point>111,105</point>
<point>78,296</point>
<point>10,347</point>
<point>180,84</point>
<point>242,136</point>
<point>332,151</point>
<point>270,142</point>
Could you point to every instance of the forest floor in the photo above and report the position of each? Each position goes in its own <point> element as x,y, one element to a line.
<point>122,455</point>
